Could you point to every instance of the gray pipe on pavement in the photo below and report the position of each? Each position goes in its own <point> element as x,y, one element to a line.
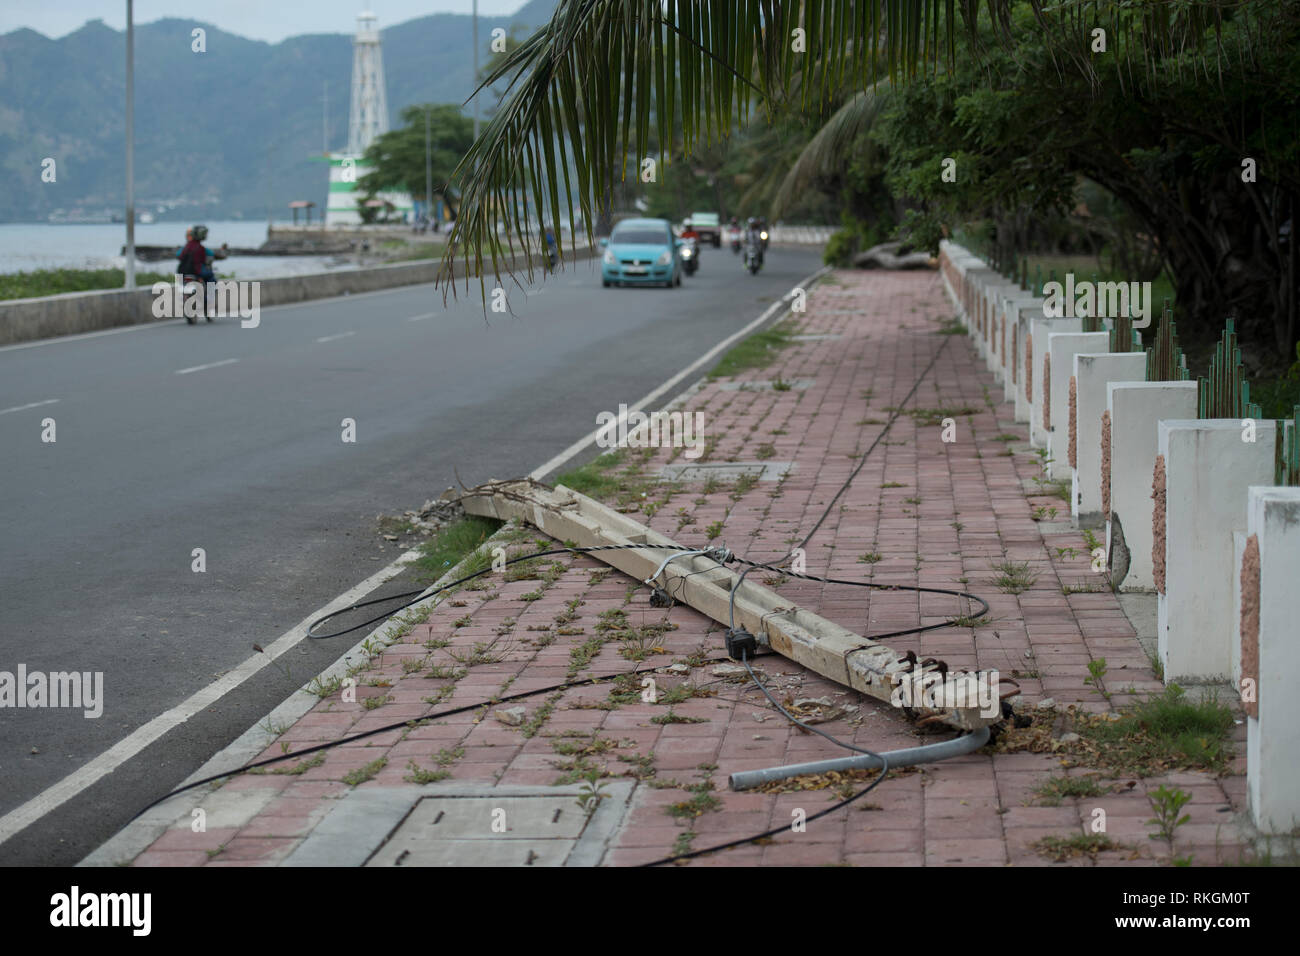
<point>967,743</point>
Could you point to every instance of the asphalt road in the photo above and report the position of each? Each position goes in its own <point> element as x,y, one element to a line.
<point>171,437</point>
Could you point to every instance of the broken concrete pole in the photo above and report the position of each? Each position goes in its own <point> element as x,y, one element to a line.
<point>704,584</point>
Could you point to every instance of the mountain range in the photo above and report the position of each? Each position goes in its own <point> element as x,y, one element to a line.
<point>232,129</point>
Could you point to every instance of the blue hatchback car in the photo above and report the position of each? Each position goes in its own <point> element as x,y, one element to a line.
<point>641,252</point>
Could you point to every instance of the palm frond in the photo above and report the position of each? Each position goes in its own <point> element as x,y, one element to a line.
<point>826,150</point>
<point>609,80</point>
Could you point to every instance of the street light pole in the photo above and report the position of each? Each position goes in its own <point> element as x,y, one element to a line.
<point>130,145</point>
<point>268,190</point>
<point>428,169</point>
<point>476,70</point>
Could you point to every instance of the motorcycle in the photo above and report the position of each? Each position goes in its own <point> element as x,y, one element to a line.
<point>753,260</point>
<point>734,236</point>
<point>691,256</point>
<point>196,287</point>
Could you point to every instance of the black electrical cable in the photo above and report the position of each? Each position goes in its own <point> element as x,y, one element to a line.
<point>424,593</point>
<point>898,410</point>
<point>984,605</point>
<point>410,722</point>
<point>839,805</point>
<point>774,566</point>
<point>417,596</point>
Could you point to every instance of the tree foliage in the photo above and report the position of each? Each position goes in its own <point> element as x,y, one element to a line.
<point>397,157</point>
<point>1023,131</point>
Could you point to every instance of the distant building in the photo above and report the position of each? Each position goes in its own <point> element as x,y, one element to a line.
<point>367,120</point>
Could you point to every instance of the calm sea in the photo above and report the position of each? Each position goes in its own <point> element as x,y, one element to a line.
<point>28,246</point>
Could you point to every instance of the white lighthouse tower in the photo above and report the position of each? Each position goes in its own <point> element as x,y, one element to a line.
<point>369,115</point>
<point>367,120</point>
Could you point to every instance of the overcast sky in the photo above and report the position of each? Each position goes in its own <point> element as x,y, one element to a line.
<point>270,20</point>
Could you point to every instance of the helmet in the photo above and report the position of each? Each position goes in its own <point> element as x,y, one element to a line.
<point>200,233</point>
<point>751,221</point>
<point>686,224</point>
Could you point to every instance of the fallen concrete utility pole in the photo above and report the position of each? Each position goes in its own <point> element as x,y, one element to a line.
<point>963,700</point>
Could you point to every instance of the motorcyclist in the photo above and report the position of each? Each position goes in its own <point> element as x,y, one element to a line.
<point>688,231</point>
<point>194,262</point>
<point>754,236</point>
<point>193,257</point>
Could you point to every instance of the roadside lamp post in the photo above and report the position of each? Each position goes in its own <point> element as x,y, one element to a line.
<point>130,146</point>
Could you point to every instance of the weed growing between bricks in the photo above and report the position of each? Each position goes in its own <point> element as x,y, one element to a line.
<point>1165,733</point>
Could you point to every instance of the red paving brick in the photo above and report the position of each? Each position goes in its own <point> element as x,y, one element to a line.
<point>971,515</point>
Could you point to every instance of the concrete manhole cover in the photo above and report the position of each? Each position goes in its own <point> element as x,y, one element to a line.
<point>489,831</point>
<point>727,471</point>
<point>465,825</point>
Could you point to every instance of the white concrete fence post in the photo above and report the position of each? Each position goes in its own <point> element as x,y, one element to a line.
<point>1207,468</point>
<point>1061,349</point>
<point>1040,331</point>
<point>1136,409</point>
<point>1093,373</point>
<point>1270,656</point>
<point>1013,336</point>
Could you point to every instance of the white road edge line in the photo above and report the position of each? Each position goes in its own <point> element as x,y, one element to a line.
<point>334,338</point>
<point>418,318</point>
<point>23,408</point>
<point>537,474</point>
<point>74,783</point>
<point>200,368</point>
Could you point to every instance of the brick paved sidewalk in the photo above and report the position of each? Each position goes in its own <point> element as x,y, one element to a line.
<point>921,511</point>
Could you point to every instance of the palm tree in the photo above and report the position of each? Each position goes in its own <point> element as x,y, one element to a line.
<point>594,80</point>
